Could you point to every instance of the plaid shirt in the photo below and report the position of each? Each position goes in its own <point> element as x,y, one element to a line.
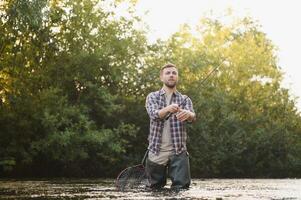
<point>155,101</point>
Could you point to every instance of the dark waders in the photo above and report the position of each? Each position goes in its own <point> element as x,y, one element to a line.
<point>178,169</point>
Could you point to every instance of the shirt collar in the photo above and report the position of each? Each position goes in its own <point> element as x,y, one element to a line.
<point>162,92</point>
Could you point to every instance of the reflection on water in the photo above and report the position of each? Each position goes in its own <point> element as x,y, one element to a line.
<point>104,189</point>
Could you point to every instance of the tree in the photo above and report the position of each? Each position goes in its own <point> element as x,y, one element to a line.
<point>73,82</point>
<point>243,127</point>
<point>65,66</point>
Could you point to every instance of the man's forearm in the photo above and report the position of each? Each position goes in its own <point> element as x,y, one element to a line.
<point>192,117</point>
<point>163,112</point>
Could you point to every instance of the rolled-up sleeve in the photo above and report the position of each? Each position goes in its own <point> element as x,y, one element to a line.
<point>189,106</point>
<point>152,106</point>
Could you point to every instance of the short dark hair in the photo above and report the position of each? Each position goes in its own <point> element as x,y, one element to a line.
<point>168,65</point>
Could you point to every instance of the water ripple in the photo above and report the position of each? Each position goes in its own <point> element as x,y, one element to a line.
<point>284,189</point>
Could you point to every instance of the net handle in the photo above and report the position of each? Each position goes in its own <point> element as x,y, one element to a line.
<point>144,157</point>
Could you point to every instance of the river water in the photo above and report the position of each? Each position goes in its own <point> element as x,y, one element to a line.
<point>217,189</point>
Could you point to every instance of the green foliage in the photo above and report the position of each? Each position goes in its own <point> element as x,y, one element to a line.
<point>246,119</point>
<point>73,82</point>
<point>63,65</point>
<point>7,164</point>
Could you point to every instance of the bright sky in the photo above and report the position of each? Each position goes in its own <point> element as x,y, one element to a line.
<point>280,20</point>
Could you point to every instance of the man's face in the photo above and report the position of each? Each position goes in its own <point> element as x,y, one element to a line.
<point>169,76</point>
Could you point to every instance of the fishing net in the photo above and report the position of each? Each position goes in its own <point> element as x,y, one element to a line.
<point>132,178</point>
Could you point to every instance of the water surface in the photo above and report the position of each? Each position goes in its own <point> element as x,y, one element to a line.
<point>104,189</point>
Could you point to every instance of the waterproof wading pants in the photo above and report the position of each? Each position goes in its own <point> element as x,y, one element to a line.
<point>178,169</point>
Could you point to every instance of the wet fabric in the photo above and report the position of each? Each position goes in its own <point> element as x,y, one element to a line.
<point>177,168</point>
<point>162,158</point>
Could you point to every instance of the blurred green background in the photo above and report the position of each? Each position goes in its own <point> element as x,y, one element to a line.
<point>74,77</point>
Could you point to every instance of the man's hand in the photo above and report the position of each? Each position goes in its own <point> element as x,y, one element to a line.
<point>185,115</point>
<point>173,108</point>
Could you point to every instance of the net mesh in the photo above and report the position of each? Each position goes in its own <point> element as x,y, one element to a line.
<point>132,178</point>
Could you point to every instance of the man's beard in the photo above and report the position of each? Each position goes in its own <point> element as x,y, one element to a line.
<point>170,85</point>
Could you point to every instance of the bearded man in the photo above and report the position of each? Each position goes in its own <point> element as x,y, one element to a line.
<point>169,111</point>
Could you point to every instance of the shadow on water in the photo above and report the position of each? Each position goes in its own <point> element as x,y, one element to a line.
<point>104,189</point>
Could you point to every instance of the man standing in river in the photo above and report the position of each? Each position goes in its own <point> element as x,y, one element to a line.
<point>167,136</point>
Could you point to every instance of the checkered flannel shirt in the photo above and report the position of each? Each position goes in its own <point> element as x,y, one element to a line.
<point>155,101</point>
